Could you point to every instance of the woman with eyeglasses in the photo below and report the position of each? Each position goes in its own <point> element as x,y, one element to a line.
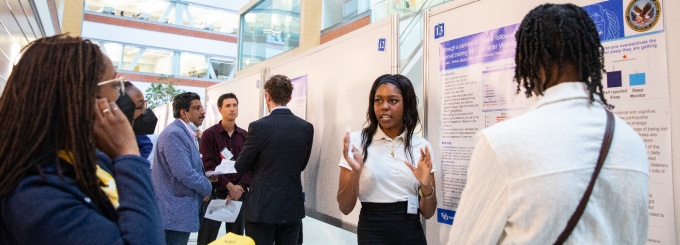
<point>55,186</point>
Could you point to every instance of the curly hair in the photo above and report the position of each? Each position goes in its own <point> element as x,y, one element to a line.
<point>552,35</point>
<point>279,89</point>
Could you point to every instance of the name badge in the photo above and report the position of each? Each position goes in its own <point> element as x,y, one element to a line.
<point>226,154</point>
<point>412,205</point>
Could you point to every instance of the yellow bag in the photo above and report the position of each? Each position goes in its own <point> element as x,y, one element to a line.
<point>233,239</point>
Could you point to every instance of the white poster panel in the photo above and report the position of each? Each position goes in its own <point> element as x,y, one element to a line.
<point>475,73</point>
<point>247,90</point>
<point>637,84</point>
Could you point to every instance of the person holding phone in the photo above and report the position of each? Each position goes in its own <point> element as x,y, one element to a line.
<point>70,170</point>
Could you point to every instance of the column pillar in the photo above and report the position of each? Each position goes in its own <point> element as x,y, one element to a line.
<point>72,22</point>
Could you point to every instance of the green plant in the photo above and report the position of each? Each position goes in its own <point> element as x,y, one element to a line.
<point>162,92</point>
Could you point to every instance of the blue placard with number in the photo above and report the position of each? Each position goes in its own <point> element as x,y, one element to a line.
<point>381,44</point>
<point>439,31</point>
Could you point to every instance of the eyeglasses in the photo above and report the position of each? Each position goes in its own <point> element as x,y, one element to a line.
<point>143,107</point>
<point>120,86</point>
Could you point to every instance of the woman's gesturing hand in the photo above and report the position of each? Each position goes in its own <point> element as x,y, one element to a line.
<point>422,172</point>
<point>356,162</point>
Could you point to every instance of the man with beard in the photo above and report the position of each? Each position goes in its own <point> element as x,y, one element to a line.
<point>178,176</point>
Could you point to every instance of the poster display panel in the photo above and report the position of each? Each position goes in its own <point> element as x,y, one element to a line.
<point>474,72</point>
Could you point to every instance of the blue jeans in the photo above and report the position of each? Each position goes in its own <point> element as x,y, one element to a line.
<point>176,237</point>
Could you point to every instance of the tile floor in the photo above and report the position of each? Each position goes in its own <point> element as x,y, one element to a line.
<point>315,232</point>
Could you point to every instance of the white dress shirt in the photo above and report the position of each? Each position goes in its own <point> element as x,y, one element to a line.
<point>386,179</point>
<point>528,174</point>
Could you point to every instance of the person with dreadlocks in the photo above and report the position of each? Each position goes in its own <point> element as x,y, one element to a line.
<point>56,187</point>
<point>377,168</point>
<point>528,174</point>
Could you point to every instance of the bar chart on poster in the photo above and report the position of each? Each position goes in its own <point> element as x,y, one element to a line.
<point>629,69</point>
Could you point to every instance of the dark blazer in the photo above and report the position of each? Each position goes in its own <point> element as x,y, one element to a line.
<point>276,152</point>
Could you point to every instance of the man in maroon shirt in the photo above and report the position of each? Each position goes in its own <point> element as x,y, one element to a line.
<point>222,136</point>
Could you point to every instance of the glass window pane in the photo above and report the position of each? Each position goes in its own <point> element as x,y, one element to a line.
<point>129,54</point>
<point>268,29</point>
<point>114,51</point>
<point>222,67</point>
<point>155,61</point>
<point>214,20</point>
<point>161,61</point>
<point>193,65</point>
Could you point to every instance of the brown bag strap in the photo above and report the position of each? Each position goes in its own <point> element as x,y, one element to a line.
<point>606,143</point>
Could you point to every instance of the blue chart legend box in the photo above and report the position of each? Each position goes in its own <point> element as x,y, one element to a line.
<point>637,79</point>
<point>614,79</point>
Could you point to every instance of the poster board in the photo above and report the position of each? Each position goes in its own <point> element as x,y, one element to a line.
<point>339,75</point>
<point>468,72</point>
<point>247,90</point>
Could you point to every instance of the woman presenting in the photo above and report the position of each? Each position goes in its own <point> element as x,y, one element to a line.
<point>388,168</point>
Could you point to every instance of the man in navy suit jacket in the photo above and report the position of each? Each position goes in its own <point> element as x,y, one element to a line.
<point>276,151</point>
<point>177,172</point>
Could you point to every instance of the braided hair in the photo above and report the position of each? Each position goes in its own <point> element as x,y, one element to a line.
<point>552,35</point>
<point>48,105</point>
<point>410,118</point>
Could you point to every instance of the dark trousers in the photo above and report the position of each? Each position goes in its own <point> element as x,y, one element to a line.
<point>388,223</point>
<point>281,234</point>
<point>209,229</point>
<point>176,237</point>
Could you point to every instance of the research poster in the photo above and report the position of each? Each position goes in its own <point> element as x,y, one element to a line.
<point>298,101</point>
<point>476,72</point>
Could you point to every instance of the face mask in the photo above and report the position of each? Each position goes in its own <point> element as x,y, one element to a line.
<point>145,123</point>
<point>193,126</point>
<point>126,106</point>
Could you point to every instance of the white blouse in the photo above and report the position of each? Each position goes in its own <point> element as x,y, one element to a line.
<point>384,178</point>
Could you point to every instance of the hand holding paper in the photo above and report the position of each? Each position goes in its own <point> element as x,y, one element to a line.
<point>220,210</point>
<point>225,167</point>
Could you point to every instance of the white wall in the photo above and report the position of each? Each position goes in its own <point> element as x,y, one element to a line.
<point>247,90</point>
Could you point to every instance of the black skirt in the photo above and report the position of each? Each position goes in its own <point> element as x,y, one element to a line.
<point>388,223</point>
